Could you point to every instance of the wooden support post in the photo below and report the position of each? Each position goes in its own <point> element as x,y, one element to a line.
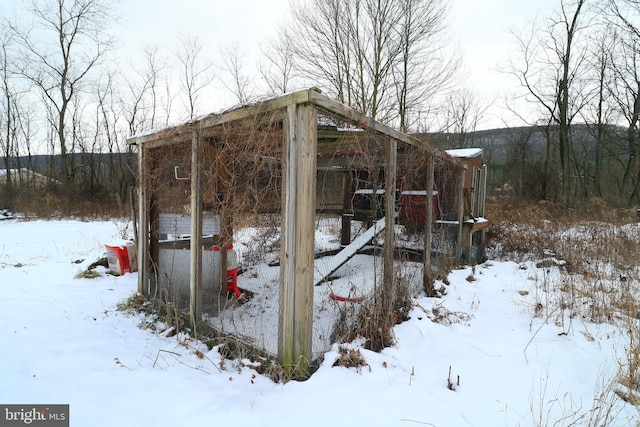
<point>347,215</point>
<point>481,212</point>
<point>226,238</point>
<point>389,231</point>
<point>143,223</point>
<point>133,213</point>
<point>195,276</point>
<point>427,274</point>
<point>154,235</point>
<point>345,224</point>
<point>299,162</point>
<point>226,227</point>
<point>482,198</point>
<point>460,205</point>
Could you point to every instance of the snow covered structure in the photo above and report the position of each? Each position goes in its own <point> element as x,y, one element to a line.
<point>283,162</point>
<point>474,224</point>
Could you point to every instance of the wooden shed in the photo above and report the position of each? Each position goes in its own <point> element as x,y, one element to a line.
<point>196,179</point>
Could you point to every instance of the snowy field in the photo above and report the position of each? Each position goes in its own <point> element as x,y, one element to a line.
<point>476,357</point>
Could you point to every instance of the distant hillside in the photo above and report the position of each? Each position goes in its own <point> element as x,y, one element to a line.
<point>502,148</point>
<point>45,164</point>
<point>499,144</point>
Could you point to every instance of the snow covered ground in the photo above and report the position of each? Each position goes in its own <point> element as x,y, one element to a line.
<point>476,357</point>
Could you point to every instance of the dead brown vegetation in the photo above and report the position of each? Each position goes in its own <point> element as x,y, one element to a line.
<point>585,268</point>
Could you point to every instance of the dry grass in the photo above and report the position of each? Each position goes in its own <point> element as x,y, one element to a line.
<point>373,320</point>
<point>441,314</point>
<point>166,320</point>
<point>52,203</point>
<point>555,409</point>
<point>350,358</point>
<point>592,263</point>
<point>586,268</point>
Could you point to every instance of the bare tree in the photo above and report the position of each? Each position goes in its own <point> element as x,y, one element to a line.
<point>322,46</point>
<point>7,107</point>
<point>524,168</point>
<point>69,40</point>
<point>626,90</point>
<point>423,70</point>
<point>625,13</point>
<point>26,129</point>
<point>107,116</point>
<point>551,70</point>
<point>382,57</point>
<point>464,113</point>
<point>601,113</point>
<point>196,71</point>
<point>570,71</point>
<point>278,70</point>
<point>238,82</point>
<point>140,100</point>
<point>154,69</point>
<point>116,176</point>
<point>377,47</point>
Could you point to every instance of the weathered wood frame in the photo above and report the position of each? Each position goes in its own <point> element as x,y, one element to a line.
<point>297,241</point>
<point>300,111</point>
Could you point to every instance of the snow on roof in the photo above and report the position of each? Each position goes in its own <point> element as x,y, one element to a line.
<point>465,153</point>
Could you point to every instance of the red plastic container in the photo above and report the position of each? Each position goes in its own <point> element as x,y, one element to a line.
<point>232,270</point>
<point>121,258</point>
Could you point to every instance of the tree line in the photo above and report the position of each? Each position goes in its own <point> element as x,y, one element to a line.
<point>579,67</point>
<point>66,95</point>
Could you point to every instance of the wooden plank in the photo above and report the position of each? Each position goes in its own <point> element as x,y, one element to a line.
<point>154,235</point>
<point>297,240</point>
<point>226,229</point>
<point>143,224</point>
<point>460,201</point>
<point>195,267</point>
<point>390,214</point>
<point>427,275</point>
<point>355,117</point>
<point>284,101</point>
<point>170,135</point>
<point>483,191</point>
<point>347,209</point>
<point>324,267</point>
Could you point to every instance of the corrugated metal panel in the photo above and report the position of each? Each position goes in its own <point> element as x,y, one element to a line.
<point>181,224</point>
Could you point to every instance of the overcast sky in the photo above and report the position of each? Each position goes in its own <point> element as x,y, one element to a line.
<point>479,30</point>
<point>218,22</point>
<point>481,27</point>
